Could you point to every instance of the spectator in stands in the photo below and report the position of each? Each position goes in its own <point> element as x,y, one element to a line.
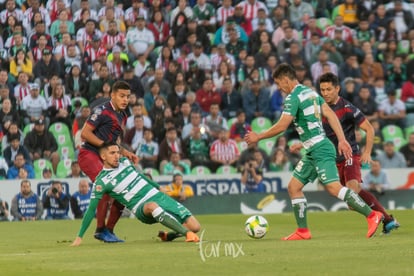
<point>75,170</point>
<point>376,181</point>
<point>390,158</point>
<point>197,149</point>
<point>140,40</point>
<point>95,86</point>
<point>26,205</point>
<point>256,101</point>
<point>408,150</point>
<point>177,189</point>
<point>239,128</point>
<point>317,67</point>
<point>176,165</point>
<point>76,85</point>
<point>34,106</point>
<point>195,121</point>
<point>223,151</point>
<point>183,118</point>
<point>13,129</point>
<point>347,33</point>
<point>134,136</point>
<point>252,177</point>
<point>177,97</point>
<point>59,106</point>
<point>206,96</point>
<point>403,18</point>
<point>8,111</point>
<point>392,111</point>
<point>22,88</point>
<point>42,144</point>
<point>231,99</point>
<point>248,154</point>
<point>371,70</point>
<point>20,163</point>
<point>79,201</point>
<point>147,150</point>
<point>56,202</point>
<point>279,161</point>
<point>171,143</point>
<point>157,117</point>
<point>138,109</point>
<point>350,69</point>
<point>133,81</point>
<point>4,210</point>
<point>46,67</point>
<point>215,121</point>
<point>15,148</point>
<point>365,102</point>
<point>21,63</point>
<point>396,73</point>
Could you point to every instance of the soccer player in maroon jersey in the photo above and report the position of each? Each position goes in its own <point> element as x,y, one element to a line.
<point>349,170</point>
<point>105,124</point>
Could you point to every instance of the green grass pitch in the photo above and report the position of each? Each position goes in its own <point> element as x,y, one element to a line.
<point>338,247</point>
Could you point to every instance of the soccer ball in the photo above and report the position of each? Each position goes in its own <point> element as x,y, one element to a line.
<point>256,227</point>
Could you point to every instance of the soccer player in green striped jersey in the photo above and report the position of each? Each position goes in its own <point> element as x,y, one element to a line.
<point>305,108</point>
<point>121,180</point>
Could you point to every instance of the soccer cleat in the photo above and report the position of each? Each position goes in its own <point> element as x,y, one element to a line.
<point>107,236</point>
<point>191,237</point>
<point>114,237</point>
<point>374,219</point>
<point>163,235</point>
<point>391,225</point>
<point>297,236</point>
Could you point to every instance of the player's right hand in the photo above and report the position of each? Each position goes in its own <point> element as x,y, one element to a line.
<point>77,241</point>
<point>345,149</point>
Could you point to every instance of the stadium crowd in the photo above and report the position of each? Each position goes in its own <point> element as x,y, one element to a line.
<point>200,73</point>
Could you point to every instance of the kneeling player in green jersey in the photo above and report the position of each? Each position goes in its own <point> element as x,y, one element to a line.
<point>121,180</point>
<point>305,108</point>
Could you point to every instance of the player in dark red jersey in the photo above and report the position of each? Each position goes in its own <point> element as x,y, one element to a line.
<point>105,124</point>
<point>352,118</point>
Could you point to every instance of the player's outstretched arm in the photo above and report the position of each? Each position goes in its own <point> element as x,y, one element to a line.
<point>280,126</point>
<point>343,146</point>
<point>86,221</point>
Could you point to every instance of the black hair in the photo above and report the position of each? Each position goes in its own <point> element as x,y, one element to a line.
<point>120,85</point>
<point>284,70</point>
<point>330,78</point>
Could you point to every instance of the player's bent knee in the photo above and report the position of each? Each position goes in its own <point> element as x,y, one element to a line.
<point>192,224</point>
<point>149,207</point>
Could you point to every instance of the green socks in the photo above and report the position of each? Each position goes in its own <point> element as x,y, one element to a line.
<point>299,208</point>
<point>354,201</point>
<point>168,220</point>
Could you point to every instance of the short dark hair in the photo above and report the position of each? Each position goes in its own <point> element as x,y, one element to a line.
<point>120,85</point>
<point>284,70</point>
<point>106,145</point>
<point>330,78</point>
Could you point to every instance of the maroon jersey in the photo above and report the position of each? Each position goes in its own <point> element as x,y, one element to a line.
<point>108,124</point>
<point>350,118</point>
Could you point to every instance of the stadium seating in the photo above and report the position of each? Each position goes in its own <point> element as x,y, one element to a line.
<point>64,140</point>
<point>267,145</point>
<point>27,128</point>
<point>63,168</point>
<point>200,170</point>
<point>408,130</point>
<point>394,133</point>
<point>226,170</point>
<point>231,121</point>
<point>323,22</point>
<point>242,146</point>
<point>39,165</point>
<point>153,172</point>
<point>260,124</point>
<point>59,128</point>
<point>83,101</point>
<point>66,152</point>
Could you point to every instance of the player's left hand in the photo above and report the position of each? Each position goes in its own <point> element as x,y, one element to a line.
<point>345,149</point>
<point>366,158</point>
<point>134,159</point>
<point>77,241</point>
<point>251,137</point>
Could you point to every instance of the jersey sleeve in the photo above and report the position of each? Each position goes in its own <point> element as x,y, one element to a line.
<point>96,118</point>
<point>291,105</point>
<point>96,195</point>
<point>358,115</point>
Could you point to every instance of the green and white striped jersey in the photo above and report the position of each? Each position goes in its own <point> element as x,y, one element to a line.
<point>304,104</point>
